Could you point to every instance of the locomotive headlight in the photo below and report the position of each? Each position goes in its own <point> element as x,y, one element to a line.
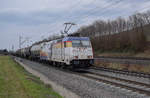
<point>76,57</point>
<point>90,57</point>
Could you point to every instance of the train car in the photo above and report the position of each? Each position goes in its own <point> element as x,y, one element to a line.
<point>18,52</point>
<point>27,52</point>
<point>23,54</point>
<point>35,51</point>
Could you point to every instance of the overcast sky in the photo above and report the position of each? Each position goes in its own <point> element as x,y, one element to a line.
<point>37,19</point>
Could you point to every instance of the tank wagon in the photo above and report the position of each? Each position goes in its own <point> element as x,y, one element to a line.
<point>73,52</point>
<point>35,51</point>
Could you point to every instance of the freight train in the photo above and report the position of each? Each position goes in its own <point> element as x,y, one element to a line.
<point>75,52</point>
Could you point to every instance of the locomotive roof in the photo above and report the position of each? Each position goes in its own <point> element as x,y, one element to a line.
<point>75,38</point>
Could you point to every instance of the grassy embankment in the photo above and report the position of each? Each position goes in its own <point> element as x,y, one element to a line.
<point>15,82</point>
<point>129,67</point>
<point>144,54</point>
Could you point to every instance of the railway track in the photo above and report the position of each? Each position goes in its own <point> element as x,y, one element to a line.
<point>123,84</point>
<point>131,58</point>
<point>125,60</point>
<point>136,74</point>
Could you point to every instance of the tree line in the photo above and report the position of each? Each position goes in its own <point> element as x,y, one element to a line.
<point>121,34</point>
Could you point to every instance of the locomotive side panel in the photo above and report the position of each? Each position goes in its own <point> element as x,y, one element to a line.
<point>47,51</point>
<point>67,51</point>
<point>57,51</point>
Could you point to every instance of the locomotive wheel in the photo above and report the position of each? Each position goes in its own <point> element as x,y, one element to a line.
<point>53,63</point>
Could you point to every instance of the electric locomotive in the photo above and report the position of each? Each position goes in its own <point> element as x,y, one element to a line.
<point>71,51</point>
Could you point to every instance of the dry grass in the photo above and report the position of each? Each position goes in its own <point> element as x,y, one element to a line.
<point>129,67</point>
<point>15,82</point>
<point>145,54</point>
<point>115,54</point>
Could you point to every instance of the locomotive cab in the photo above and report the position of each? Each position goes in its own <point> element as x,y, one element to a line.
<point>78,51</point>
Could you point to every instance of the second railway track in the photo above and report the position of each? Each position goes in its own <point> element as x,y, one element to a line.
<point>125,60</point>
<point>136,74</point>
<point>125,85</point>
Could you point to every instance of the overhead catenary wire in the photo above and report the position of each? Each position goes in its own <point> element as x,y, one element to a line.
<point>70,12</point>
<point>66,16</point>
<point>79,5</point>
<point>135,12</point>
<point>124,14</point>
<point>104,10</point>
<point>92,11</point>
<point>132,12</point>
<point>95,8</point>
<point>114,14</point>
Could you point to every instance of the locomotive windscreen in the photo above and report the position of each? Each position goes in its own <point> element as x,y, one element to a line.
<point>80,43</point>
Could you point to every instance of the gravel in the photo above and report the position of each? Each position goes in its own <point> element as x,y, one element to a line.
<point>83,87</point>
